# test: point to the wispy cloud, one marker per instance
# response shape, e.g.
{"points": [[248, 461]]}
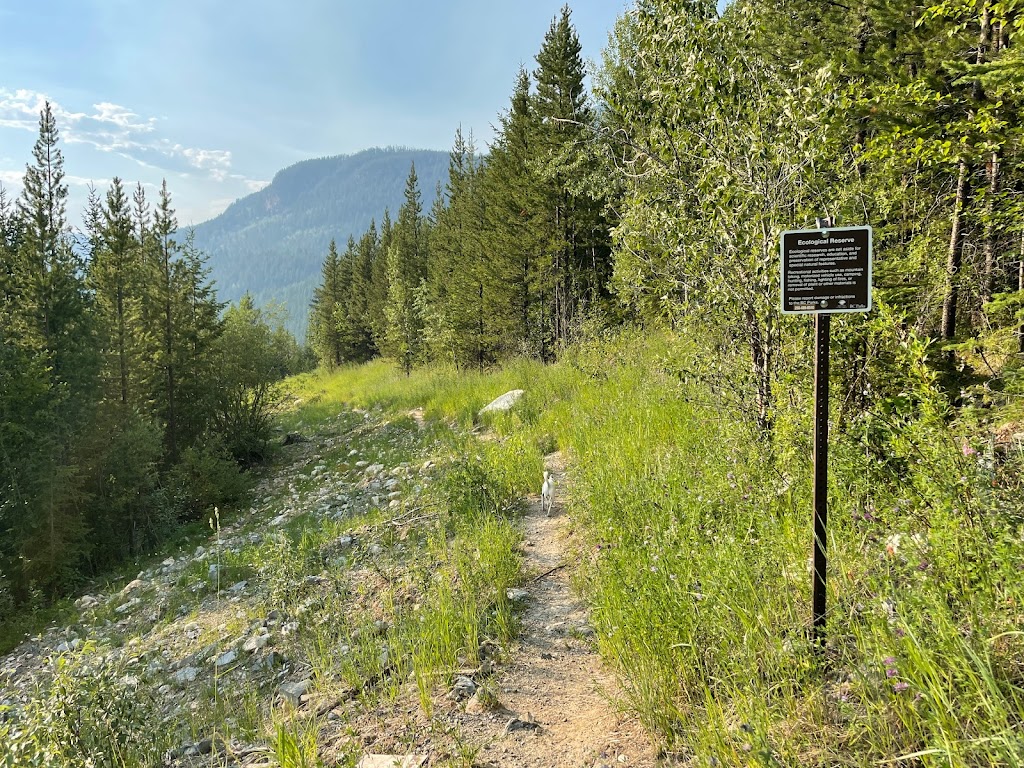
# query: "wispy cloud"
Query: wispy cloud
{"points": [[114, 128]]}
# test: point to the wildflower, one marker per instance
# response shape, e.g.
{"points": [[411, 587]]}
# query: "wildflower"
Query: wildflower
{"points": [[890, 672], [892, 544], [966, 449], [900, 687]]}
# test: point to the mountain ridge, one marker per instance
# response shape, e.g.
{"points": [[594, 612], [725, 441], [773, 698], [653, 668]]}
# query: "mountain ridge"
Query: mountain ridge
{"points": [[272, 242]]}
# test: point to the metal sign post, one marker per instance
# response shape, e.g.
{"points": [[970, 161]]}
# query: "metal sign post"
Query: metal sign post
{"points": [[822, 323], [824, 271]]}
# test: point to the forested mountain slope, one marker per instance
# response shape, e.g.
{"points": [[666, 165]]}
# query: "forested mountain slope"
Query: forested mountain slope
{"points": [[272, 242]]}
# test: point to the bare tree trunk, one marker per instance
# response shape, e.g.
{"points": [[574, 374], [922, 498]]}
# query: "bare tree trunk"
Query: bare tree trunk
{"points": [[1020, 287], [988, 287], [955, 257], [988, 284]]}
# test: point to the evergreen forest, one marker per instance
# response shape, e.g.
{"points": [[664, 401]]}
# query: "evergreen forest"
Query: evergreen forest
{"points": [[130, 399], [659, 197]]}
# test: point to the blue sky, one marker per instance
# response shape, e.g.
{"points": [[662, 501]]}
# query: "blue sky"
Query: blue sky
{"points": [[218, 95]]}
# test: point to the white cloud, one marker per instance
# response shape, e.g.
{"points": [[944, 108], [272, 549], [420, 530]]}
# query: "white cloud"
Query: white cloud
{"points": [[114, 128], [11, 178]]}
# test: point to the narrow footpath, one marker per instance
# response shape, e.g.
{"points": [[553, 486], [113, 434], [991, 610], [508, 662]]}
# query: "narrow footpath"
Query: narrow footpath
{"points": [[556, 694]]}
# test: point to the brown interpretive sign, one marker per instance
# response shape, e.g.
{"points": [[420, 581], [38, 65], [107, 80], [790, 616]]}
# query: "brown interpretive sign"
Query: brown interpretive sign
{"points": [[826, 270]]}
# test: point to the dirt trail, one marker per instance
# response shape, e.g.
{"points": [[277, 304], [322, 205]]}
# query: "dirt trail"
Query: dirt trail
{"points": [[555, 677]]}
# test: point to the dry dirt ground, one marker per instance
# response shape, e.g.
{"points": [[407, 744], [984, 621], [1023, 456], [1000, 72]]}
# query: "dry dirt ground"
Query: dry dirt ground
{"points": [[556, 678]]}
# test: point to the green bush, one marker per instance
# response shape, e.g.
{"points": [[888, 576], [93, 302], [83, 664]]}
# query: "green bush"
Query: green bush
{"points": [[205, 476], [89, 714]]}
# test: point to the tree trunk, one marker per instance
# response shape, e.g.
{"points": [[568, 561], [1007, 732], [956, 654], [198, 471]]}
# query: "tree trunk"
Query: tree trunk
{"points": [[1020, 287], [988, 280], [955, 256]]}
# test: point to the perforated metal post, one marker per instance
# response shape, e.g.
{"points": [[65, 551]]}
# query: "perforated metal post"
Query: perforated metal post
{"points": [[822, 327]]}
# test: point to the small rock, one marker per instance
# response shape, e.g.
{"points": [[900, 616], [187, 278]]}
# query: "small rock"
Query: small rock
{"points": [[135, 584], [391, 761], [269, 661], [127, 606], [168, 562], [517, 595], [476, 705], [257, 643], [238, 586], [464, 687], [515, 724], [186, 675], [293, 692], [226, 658], [375, 550], [503, 403]]}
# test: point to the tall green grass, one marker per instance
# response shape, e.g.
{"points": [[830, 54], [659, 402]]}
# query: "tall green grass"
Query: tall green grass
{"points": [[695, 538]]}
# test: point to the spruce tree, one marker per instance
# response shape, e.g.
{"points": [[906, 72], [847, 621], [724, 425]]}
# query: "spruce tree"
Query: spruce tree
{"points": [[49, 326], [578, 244], [326, 312]]}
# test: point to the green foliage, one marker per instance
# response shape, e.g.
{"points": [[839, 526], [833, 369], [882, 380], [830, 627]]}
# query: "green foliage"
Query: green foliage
{"points": [[86, 714], [205, 476], [251, 361]]}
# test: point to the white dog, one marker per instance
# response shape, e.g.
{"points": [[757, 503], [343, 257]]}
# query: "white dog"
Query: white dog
{"points": [[547, 494]]}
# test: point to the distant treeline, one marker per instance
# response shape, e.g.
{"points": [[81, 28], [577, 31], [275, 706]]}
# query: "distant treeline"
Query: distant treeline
{"points": [[660, 197], [128, 398]]}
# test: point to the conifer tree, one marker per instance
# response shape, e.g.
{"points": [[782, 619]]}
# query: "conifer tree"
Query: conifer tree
{"points": [[376, 296], [50, 329], [514, 224], [577, 236], [167, 292], [326, 312], [406, 268]]}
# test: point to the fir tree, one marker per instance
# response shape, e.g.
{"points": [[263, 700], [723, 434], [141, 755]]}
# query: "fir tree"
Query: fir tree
{"points": [[327, 310], [50, 330]]}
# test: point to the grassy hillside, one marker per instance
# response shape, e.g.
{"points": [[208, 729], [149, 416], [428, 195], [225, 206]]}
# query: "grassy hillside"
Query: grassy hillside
{"points": [[690, 536], [695, 538]]}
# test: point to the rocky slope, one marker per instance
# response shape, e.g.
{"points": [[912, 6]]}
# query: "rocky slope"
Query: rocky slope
{"points": [[274, 641]]}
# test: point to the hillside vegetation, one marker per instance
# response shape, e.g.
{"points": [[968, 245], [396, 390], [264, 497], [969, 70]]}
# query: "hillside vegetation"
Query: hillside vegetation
{"points": [[615, 255], [690, 539]]}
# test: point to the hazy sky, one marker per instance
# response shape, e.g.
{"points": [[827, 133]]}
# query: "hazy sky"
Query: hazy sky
{"points": [[218, 95]]}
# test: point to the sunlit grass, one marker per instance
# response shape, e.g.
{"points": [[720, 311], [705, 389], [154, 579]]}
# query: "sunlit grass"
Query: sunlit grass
{"points": [[692, 536]]}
